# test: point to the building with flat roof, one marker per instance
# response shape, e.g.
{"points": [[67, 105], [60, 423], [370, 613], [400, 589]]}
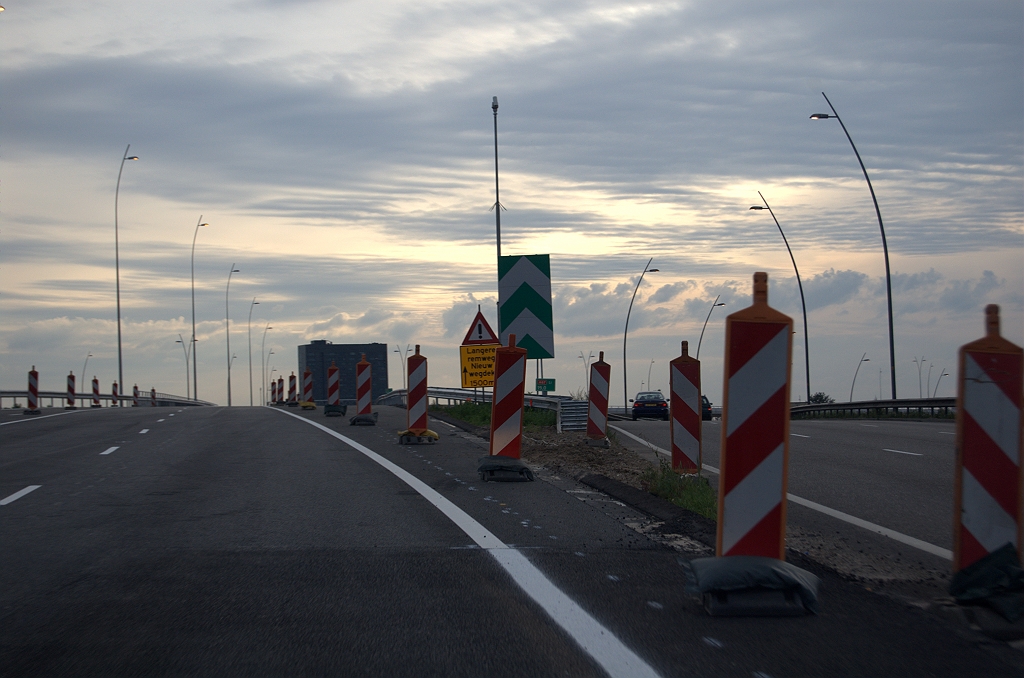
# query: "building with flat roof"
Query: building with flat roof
{"points": [[317, 356]]}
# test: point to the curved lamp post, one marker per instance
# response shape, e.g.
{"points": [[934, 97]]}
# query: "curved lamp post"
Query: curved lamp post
{"points": [[586, 369], [649, 388], [713, 305], [881, 228], [267, 384], [263, 364], [803, 304], [117, 266], [186, 352], [195, 376], [251, 306], [920, 364], [944, 374], [227, 327], [84, 366], [862, 360], [625, 384]]}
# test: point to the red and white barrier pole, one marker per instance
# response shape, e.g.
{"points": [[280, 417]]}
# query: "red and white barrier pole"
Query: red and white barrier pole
{"points": [[71, 391], [292, 395], [507, 402], [755, 429], [987, 489], [115, 400], [307, 386], [364, 386], [684, 384], [597, 415], [333, 385], [280, 389], [95, 392], [416, 399], [152, 397], [33, 391], [273, 392], [135, 395]]}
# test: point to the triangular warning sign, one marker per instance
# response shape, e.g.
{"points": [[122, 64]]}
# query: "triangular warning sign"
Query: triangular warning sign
{"points": [[480, 332]]}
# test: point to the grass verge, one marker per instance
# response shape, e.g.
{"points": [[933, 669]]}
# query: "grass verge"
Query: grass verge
{"points": [[688, 491], [479, 414]]}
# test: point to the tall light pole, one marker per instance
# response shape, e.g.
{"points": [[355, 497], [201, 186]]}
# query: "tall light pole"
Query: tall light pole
{"points": [[586, 368], [625, 384], [939, 381], [863, 359], [649, 375], [195, 374], [928, 388], [253, 304], [497, 198], [398, 350], [267, 384], [714, 305], [83, 368], [803, 304], [881, 228], [227, 326], [117, 267], [263, 365], [920, 364], [186, 352]]}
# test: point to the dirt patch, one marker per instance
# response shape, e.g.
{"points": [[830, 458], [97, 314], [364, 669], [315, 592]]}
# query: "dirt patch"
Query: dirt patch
{"points": [[569, 454]]}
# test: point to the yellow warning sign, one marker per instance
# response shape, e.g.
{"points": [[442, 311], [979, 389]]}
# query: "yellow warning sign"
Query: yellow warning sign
{"points": [[477, 365]]}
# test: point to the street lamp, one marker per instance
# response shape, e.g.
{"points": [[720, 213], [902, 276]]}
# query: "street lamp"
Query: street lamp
{"points": [[267, 384], [881, 228], [862, 360], [497, 198], [920, 364], [803, 304], [253, 304], [625, 384], [586, 368], [398, 350], [649, 373], [83, 368], [117, 266], [944, 374], [263, 365], [928, 388], [713, 305], [195, 375], [227, 327], [186, 352]]}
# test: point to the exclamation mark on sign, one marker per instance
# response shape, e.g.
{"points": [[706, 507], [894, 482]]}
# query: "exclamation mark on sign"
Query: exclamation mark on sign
{"points": [[479, 331]]}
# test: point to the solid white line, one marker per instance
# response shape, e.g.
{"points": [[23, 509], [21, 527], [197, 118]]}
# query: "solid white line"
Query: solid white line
{"points": [[596, 640], [869, 425], [145, 430], [19, 421], [19, 494], [798, 435], [845, 517], [109, 450], [915, 454]]}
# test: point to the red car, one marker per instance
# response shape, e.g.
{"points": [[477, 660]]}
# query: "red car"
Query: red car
{"points": [[650, 404]]}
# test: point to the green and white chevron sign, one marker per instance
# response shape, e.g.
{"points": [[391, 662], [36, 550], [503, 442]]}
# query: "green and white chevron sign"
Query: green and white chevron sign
{"points": [[524, 303]]}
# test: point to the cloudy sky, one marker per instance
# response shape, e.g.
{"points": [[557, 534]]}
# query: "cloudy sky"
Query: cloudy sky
{"points": [[342, 153]]}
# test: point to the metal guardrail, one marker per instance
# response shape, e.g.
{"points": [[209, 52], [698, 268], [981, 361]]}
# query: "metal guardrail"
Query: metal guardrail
{"points": [[920, 407], [454, 396], [84, 400]]}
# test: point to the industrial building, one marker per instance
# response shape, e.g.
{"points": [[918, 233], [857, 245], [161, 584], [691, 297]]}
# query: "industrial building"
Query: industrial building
{"points": [[317, 356]]}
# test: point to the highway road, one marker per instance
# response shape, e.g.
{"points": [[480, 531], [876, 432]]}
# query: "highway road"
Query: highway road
{"points": [[248, 541]]}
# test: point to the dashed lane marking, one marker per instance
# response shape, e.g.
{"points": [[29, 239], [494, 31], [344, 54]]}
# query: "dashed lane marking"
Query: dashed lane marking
{"points": [[839, 515], [597, 641], [913, 454], [109, 450], [18, 495], [145, 430]]}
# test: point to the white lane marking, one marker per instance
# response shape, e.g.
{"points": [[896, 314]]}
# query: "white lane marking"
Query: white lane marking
{"points": [[845, 517], [596, 640], [868, 425], [19, 494], [799, 435], [145, 430], [947, 433], [19, 421], [159, 420], [915, 454], [109, 450]]}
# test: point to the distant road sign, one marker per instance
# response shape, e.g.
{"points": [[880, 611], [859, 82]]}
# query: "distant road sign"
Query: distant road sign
{"points": [[477, 365], [479, 331], [545, 384]]}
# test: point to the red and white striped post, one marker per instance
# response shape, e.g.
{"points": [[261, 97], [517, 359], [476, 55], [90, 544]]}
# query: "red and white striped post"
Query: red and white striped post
{"points": [[71, 391], [280, 389], [685, 406], [291, 390], [507, 401], [416, 399], [755, 430], [364, 386], [135, 395], [273, 392], [152, 397], [333, 385], [95, 392], [307, 387], [597, 415], [987, 489], [115, 401], [33, 391]]}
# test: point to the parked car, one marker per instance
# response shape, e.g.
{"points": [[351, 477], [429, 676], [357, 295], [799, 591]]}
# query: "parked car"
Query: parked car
{"points": [[650, 404], [705, 408]]}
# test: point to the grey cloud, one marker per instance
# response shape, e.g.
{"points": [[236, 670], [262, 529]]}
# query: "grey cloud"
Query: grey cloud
{"points": [[970, 295]]}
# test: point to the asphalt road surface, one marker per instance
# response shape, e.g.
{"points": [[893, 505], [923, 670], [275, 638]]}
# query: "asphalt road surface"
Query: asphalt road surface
{"points": [[245, 541]]}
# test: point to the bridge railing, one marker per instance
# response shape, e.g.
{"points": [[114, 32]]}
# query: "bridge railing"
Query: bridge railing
{"points": [[908, 407], [84, 400], [453, 396]]}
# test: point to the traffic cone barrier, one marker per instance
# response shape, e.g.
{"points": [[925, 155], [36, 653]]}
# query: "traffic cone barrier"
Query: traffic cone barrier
{"points": [[135, 395], [685, 408], [333, 408], [33, 392], [273, 392], [507, 416], [292, 397], [152, 397], [71, 391], [307, 390], [115, 400], [364, 395], [987, 489], [597, 414], [95, 392], [280, 391], [417, 430], [755, 430]]}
